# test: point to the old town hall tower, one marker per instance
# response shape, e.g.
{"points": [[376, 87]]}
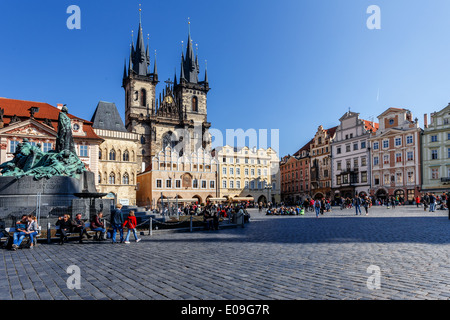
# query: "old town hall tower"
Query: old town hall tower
{"points": [[177, 117]]}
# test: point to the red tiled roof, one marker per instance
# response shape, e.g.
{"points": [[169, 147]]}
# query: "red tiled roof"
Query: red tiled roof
{"points": [[46, 111], [371, 125], [305, 147], [331, 131]]}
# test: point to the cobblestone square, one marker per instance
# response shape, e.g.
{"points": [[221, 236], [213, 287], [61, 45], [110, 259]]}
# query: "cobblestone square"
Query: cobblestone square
{"points": [[272, 258]]}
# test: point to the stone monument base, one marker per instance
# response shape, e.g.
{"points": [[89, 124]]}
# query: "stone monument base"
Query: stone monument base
{"points": [[51, 197]]}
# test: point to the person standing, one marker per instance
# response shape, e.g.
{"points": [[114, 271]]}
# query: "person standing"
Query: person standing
{"points": [[131, 224], [366, 204], [426, 201], [432, 202], [357, 204], [448, 205], [317, 207], [117, 223], [417, 201]]}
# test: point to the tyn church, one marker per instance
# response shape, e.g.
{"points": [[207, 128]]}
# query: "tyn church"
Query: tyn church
{"points": [[178, 117]]}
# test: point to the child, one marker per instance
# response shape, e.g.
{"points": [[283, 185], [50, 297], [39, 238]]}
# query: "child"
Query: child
{"points": [[131, 223]]}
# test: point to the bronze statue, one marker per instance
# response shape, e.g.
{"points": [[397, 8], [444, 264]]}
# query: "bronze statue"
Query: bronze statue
{"points": [[65, 138], [29, 160]]}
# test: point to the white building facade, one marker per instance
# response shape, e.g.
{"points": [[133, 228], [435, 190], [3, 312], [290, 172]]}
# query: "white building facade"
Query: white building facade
{"points": [[351, 156]]}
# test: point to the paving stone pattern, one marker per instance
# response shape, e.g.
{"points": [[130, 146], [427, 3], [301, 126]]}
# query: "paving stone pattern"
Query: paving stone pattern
{"points": [[272, 258]]}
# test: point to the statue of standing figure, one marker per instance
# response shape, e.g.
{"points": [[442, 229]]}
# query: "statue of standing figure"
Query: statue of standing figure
{"points": [[29, 160], [65, 137]]}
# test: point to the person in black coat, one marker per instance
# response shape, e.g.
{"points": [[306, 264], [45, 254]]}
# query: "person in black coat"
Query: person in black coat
{"points": [[65, 226], [80, 227], [117, 223], [448, 205]]}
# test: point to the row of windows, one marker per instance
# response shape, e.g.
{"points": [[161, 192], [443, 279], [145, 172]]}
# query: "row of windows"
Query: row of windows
{"points": [[247, 184], [397, 142], [113, 156], [246, 161], [356, 146], [246, 171], [288, 176], [115, 179], [435, 173], [348, 163], [177, 185], [435, 154], [295, 188], [45, 147], [351, 178], [398, 158], [394, 178], [434, 138], [82, 150]]}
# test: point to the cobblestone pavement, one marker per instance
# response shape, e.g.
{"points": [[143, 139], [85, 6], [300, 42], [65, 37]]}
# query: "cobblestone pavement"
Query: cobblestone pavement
{"points": [[273, 257]]}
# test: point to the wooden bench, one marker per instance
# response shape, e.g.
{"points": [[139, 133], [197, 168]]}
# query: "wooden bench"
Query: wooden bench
{"points": [[73, 234], [7, 241]]}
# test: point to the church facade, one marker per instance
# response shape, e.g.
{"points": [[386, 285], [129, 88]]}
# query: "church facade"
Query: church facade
{"points": [[172, 122], [177, 117]]}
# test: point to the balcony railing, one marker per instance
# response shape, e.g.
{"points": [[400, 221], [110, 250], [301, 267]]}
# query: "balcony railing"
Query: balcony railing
{"points": [[445, 179]]}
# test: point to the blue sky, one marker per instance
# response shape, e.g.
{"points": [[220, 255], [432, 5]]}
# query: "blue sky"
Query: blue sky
{"points": [[287, 65]]}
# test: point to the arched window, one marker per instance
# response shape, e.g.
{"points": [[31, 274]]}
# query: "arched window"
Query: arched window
{"points": [[194, 104], [99, 178], [112, 155], [100, 154], [143, 98], [112, 178], [126, 156], [126, 179]]}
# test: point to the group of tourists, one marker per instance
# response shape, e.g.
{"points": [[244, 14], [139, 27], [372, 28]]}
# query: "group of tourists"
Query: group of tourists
{"points": [[433, 202], [27, 226]]}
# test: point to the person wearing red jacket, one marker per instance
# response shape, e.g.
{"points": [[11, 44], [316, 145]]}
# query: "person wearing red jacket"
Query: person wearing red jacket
{"points": [[131, 224]]}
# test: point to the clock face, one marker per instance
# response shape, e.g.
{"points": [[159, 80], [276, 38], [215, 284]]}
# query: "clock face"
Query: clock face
{"points": [[76, 127], [168, 99]]}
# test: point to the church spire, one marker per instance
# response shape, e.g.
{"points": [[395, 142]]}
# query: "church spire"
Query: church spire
{"points": [[141, 59], [190, 64], [206, 72]]}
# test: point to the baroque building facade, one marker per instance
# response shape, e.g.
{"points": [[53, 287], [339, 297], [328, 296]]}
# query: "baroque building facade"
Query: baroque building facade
{"points": [[351, 156], [248, 173], [172, 179], [436, 152], [396, 156], [294, 175], [320, 152]]}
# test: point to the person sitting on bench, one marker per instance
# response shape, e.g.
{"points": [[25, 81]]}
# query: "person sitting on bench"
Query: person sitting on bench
{"points": [[80, 227], [32, 229], [20, 232], [98, 226], [65, 226]]}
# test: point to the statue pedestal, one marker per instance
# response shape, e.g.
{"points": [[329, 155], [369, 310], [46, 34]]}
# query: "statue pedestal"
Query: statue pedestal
{"points": [[55, 196]]}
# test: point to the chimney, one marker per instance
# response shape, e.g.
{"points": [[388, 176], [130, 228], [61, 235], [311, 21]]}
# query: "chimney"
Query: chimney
{"points": [[59, 106], [425, 120]]}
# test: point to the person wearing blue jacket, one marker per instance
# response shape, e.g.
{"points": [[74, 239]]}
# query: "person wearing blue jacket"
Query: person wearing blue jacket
{"points": [[117, 223]]}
